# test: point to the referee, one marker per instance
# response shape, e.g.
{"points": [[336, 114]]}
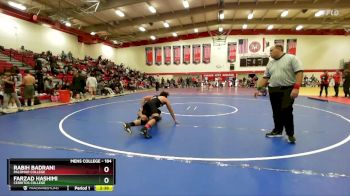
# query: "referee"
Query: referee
{"points": [[283, 75]]}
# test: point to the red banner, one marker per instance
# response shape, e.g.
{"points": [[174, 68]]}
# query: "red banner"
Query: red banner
{"points": [[167, 55], [186, 54], [177, 54], [158, 55], [231, 52], [292, 46], [149, 55], [196, 52], [206, 53]]}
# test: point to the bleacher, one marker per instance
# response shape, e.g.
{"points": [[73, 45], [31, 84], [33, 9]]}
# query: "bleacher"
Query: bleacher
{"points": [[4, 65], [109, 74], [25, 57]]}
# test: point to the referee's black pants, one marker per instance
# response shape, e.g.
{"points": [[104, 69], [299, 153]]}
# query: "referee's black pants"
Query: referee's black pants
{"points": [[282, 108]]}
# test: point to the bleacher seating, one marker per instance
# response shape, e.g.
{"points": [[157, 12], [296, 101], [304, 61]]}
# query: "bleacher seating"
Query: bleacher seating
{"points": [[4, 65]]}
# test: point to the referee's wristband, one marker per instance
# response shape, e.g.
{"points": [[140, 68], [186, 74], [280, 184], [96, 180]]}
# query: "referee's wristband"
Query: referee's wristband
{"points": [[296, 86]]}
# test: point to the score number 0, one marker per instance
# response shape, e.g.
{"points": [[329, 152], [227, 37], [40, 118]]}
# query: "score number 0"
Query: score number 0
{"points": [[106, 170]]}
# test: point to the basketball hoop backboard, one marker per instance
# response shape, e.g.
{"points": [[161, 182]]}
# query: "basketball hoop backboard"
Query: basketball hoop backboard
{"points": [[219, 39]]}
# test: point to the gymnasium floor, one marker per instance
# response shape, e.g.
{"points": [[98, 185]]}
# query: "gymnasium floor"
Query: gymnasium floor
{"points": [[219, 147]]}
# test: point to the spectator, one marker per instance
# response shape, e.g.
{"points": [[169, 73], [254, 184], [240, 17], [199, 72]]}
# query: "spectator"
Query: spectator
{"points": [[28, 82], [336, 78], [324, 82], [91, 84]]}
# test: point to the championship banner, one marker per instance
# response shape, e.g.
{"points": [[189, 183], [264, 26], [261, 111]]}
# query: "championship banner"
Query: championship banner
{"points": [[167, 55], [196, 51], [206, 53], [149, 55], [158, 55], [231, 52], [186, 54], [177, 54], [292, 46]]}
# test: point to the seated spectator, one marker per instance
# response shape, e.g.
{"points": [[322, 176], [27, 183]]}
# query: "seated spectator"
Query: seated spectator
{"points": [[22, 50], [132, 85], [49, 86], [63, 56]]}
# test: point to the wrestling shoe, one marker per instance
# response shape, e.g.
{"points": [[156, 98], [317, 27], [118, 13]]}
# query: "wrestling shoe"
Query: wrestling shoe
{"points": [[144, 132], [291, 139], [274, 134], [127, 128]]}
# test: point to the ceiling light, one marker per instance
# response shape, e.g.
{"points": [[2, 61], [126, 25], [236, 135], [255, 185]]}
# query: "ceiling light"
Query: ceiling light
{"points": [[250, 16], [152, 9], [284, 13], [319, 13], [120, 13], [153, 37], [221, 14], [185, 3], [93, 33], [68, 24], [142, 29], [299, 27], [244, 26], [17, 5], [270, 27], [221, 29], [196, 30], [175, 34], [166, 25]]}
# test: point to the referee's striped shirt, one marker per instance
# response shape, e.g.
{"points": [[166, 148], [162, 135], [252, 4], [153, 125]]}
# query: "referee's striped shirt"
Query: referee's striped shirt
{"points": [[281, 72]]}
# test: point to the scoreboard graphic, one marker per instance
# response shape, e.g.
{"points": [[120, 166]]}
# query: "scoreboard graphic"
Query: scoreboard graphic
{"points": [[75, 174]]}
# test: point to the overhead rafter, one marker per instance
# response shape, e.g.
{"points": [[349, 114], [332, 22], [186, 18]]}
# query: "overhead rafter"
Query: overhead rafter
{"points": [[115, 4], [236, 22], [75, 13], [74, 5], [66, 12], [228, 6]]}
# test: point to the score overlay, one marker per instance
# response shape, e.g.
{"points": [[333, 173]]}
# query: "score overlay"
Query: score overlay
{"points": [[74, 174]]}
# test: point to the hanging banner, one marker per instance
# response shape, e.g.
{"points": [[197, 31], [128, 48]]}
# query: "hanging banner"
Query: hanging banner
{"points": [[177, 54], [167, 55], [158, 55], [292, 46], [149, 55], [266, 44], [196, 52], [206, 53], [231, 52], [186, 54]]}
